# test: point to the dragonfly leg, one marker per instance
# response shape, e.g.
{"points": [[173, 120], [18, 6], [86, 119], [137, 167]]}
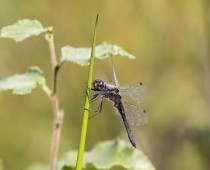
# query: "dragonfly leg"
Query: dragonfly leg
{"points": [[95, 96], [100, 105], [98, 110], [87, 90]]}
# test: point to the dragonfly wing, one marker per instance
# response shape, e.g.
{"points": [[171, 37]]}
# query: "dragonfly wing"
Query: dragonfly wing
{"points": [[116, 111], [136, 92], [135, 115], [114, 74]]}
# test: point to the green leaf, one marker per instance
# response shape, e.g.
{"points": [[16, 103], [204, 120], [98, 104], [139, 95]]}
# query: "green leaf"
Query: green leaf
{"points": [[81, 56], [22, 29], [23, 83], [113, 155]]}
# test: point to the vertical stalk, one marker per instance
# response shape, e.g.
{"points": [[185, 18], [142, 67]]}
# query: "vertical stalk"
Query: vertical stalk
{"points": [[58, 115], [87, 104]]}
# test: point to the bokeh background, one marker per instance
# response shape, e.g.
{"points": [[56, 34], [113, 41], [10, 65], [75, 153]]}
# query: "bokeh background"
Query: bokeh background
{"points": [[171, 41]]}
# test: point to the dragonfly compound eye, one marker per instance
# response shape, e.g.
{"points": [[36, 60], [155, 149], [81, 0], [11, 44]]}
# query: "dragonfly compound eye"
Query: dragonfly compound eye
{"points": [[98, 84]]}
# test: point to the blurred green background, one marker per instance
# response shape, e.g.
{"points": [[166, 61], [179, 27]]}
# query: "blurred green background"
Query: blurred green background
{"points": [[171, 41]]}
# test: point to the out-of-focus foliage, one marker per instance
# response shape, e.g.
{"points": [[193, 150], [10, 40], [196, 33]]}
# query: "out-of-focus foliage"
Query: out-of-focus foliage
{"points": [[170, 40], [81, 56], [22, 29], [38, 167], [23, 83], [114, 154]]}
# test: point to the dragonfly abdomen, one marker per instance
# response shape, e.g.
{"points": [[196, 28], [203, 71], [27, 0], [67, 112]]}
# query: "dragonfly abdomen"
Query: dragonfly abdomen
{"points": [[120, 108]]}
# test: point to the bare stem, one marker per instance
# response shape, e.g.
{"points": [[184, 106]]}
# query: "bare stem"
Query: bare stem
{"points": [[58, 120], [50, 38], [58, 115]]}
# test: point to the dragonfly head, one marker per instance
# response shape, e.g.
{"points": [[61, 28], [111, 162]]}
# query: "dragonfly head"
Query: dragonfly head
{"points": [[98, 85]]}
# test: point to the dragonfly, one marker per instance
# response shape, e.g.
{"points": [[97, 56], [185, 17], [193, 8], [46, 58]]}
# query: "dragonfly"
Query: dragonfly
{"points": [[125, 101]]}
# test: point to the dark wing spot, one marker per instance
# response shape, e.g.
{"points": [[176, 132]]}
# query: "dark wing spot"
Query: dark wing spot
{"points": [[141, 84], [144, 111]]}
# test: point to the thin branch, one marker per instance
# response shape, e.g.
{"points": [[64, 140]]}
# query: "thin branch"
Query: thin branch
{"points": [[58, 115], [47, 91], [50, 38]]}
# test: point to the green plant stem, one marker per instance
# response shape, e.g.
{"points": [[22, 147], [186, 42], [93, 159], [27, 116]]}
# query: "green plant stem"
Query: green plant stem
{"points": [[58, 115], [87, 104]]}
